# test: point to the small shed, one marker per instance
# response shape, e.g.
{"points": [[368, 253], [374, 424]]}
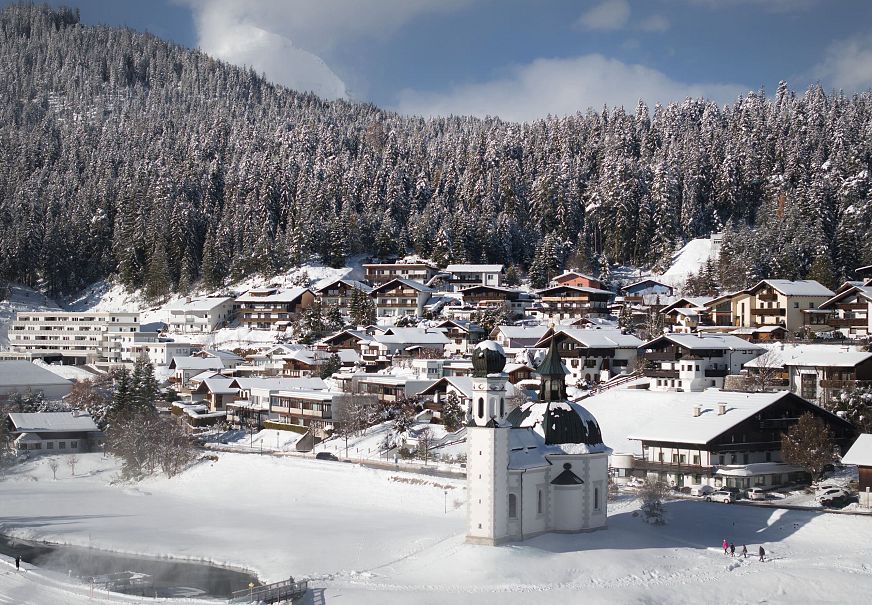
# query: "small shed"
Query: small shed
{"points": [[861, 455]]}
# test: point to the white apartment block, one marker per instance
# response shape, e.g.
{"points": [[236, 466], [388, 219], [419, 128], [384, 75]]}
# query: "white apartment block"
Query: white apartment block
{"points": [[81, 337], [200, 315]]}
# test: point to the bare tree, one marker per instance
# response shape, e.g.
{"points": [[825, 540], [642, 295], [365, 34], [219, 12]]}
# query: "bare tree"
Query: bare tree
{"points": [[809, 443], [766, 371], [53, 465], [72, 461], [425, 443]]}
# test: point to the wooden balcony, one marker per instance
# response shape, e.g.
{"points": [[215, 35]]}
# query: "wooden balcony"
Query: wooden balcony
{"points": [[848, 322], [775, 312], [665, 355], [670, 467], [661, 373], [716, 373], [860, 306]]}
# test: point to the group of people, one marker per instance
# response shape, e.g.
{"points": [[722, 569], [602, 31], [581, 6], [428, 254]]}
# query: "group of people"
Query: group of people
{"points": [[729, 547]]}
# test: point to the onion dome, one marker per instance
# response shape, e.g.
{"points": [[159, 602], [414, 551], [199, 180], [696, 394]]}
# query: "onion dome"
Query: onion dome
{"points": [[488, 357], [560, 423]]}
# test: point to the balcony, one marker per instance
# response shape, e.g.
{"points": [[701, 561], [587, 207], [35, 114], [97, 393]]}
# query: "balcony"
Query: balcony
{"points": [[848, 322], [775, 312], [669, 467], [829, 383], [860, 306], [767, 296], [661, 373], [665, 355], [716, 373]]}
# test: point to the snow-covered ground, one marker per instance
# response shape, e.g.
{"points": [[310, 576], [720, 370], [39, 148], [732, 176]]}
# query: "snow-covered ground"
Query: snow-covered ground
{"points": [[371, 537], [690, 259]]}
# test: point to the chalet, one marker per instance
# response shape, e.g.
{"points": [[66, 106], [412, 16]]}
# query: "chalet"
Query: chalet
{"points": [[252, 405], [478, 298], [574, 278], [778, 302], [161, 351], [763, 333], [381, 273], [646, 286], [695, 362], [592, 355], [462, 336], [685, 314], [228, 358], [818, 372], [461, 388], [518, 337], [386, 387], [21, 377], [215, 393], [400, 297], [185, 368], [318, 410], [719, 311], [570, 302], [272, 308], [347, 339], [339, 293], [402, 342], [461, 276], [200, 315], [54, 432], [860, 455], [718, 438], [849, 312]]}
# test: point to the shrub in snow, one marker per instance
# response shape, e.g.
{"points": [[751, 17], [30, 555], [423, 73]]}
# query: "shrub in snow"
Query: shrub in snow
{"points": [[652, 495]]}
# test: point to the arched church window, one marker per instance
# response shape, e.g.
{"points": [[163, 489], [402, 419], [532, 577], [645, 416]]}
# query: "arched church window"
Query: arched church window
{"points": [[481, 407], [502, 407], [513, 506], [539, 502]]}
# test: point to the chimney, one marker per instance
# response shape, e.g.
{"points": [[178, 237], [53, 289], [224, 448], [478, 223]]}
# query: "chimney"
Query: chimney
{"points": [[722, 409], [696, 411]]}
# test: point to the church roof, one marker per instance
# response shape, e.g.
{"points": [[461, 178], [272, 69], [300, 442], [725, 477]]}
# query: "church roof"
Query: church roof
{"points": [[567, 477], [552, 365], [561, 423]]}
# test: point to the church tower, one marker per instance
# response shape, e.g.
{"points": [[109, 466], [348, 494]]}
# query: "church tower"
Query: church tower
{"points": [[487, 442]]}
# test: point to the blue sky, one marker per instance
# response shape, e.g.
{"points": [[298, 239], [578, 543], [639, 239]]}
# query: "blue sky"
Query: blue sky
{"points": [[520, 59]]}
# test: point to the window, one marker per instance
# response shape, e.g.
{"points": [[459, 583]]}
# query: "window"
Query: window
{"points": [[74, 445], [682, 459], [37, 446], [674, 458], [696, 460], [481, 407], [660, 457], [502, 407], [49, 445], [513, 506], [721, 459], [768, 456], [796, 305], [733, 458], [745, 458], [596, 498], [62, 445]]}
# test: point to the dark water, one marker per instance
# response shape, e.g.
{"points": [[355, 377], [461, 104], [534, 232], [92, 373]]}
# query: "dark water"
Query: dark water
{"points": [[165, 577]]}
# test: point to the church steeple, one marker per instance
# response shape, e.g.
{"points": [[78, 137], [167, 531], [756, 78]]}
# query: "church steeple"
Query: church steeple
{"points": [[553, 384]]}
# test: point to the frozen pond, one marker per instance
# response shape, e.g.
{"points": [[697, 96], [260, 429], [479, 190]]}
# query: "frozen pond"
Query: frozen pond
{"points": [[151, 577]]}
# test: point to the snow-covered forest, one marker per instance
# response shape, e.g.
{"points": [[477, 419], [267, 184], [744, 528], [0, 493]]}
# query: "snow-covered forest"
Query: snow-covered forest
{"points": [[124, 154]]}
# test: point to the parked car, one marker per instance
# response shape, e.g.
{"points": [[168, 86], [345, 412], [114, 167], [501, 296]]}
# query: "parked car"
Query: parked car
{"points": [[833, 497], [326, 456], [635, 482], [757, 493], [737, 493], [720, 496], [701, 490]]}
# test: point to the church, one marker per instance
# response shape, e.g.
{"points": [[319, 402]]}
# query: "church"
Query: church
{"points": [[541, 467]]}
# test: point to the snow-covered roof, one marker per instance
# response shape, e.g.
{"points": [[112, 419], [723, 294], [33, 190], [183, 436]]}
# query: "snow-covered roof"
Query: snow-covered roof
{"points": [[758, 330], [861, 290], [474, 268], [756, 469], [814, 355], [220, 354], [203, 376], [579, 289], [463, 384], [709, 341], [52, 422], [196, 363], [219, 386], [861, 452], [409, 283], [571, 274], [669, 417], [800, 287], [351, 283], [530, 332], [410, 336], [280, 384], [272, 295], [641, 282], [598, 339], [199, 304], [25, 373]]}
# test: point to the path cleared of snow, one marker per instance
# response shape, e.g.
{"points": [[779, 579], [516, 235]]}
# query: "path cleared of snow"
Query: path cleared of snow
{"points": [[366, 538]]}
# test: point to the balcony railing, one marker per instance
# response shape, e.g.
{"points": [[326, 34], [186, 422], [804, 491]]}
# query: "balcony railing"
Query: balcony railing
{"points": [[670, 467], [661, 373], [712, 373], [667, 355], [848, 322], [776, 312]]}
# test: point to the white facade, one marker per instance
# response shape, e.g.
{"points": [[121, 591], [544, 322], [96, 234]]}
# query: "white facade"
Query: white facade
{"points": [[199, 315], [86, 337]]}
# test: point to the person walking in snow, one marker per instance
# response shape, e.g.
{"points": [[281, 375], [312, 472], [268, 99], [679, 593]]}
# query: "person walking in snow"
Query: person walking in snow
{"points": [[726, 545], [17, 562], [732, 549], [744, 551], [762, 554]]}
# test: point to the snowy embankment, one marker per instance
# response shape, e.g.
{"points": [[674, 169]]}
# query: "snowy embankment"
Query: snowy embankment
{"points": [[689, 260], [379, 537]]}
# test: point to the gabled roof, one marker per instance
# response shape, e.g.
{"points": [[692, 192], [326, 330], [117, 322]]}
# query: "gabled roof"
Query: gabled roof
{"points": [[52, 422], [811, 355], [196, 363], [647, 280], [273, 295], [462, 384], [862, 291], [581, 289], [351, 283], [571, 274], [800, 287], [280, 384], [342, 335], [27, 374], [610, 339], [217, 386], [861, 452], [522, 332], [463, 268], [466, 326], [706, 341], [410, 336], [399, 281], [688, 302], [219, 354], [206, 303]]}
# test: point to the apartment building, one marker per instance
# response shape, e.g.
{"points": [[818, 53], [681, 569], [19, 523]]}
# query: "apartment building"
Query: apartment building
{"points": [[339, 293], [272, 308], [400, 297], [462, 276], [74, 337], [570, 302], [200, 315], [849, 312], [381, 273], [778, 302]]}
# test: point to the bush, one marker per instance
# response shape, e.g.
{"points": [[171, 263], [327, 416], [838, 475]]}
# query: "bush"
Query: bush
{"points": [[652, 495]]}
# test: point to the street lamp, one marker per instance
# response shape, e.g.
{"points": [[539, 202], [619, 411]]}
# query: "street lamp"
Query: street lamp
{"points": [[446, 501]]}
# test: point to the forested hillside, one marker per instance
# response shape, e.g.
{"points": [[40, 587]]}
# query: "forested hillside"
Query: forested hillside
{"points": [[123, 154]]}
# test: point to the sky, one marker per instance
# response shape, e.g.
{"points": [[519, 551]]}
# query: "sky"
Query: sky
{"points": [[519, 59]]}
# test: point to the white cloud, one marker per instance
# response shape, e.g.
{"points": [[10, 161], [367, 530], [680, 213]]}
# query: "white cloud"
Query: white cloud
{"points": [[654, 23], [610, 15], [288, 39], [847, 64], [772, 6], [561, 87]]}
